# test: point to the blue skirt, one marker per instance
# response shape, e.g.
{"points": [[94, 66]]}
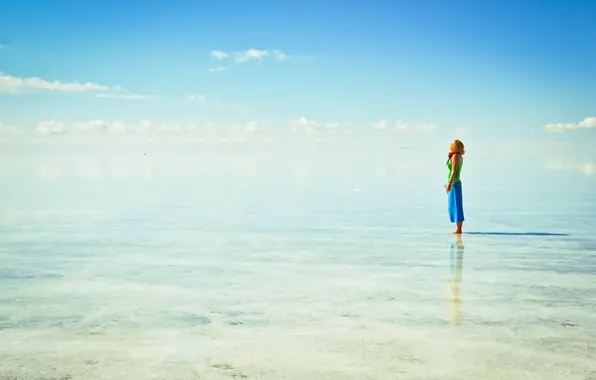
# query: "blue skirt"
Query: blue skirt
{"points": [[455, 203]]}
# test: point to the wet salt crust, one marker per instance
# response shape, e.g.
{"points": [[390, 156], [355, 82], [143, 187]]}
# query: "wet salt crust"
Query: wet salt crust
{"points": [[357, 286]]}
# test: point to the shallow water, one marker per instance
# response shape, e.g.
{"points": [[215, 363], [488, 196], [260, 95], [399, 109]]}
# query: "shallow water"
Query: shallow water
{"points": [[336, 277]]}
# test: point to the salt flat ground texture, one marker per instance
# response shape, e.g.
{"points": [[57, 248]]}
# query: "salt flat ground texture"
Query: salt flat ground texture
{"points": [[333, 277]]}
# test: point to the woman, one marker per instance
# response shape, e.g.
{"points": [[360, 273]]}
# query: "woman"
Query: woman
{"points": [[453, 187]]}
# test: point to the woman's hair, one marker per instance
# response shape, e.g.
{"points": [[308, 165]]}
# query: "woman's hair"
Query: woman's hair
{"points": [[458, 147]]}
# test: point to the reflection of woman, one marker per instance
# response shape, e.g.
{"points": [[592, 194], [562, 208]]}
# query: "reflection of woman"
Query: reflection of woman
{"points": [[457, 258], [455, 162]]}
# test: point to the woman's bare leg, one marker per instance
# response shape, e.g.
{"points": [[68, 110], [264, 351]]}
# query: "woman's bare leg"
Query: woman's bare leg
{"points": [[458, 230]]}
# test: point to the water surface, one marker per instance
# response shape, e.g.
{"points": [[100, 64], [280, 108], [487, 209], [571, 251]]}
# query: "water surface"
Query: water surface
{"points": [[294, 275]]}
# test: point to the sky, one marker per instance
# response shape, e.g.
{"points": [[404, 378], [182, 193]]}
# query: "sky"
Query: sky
{"points": [[398, 73]]}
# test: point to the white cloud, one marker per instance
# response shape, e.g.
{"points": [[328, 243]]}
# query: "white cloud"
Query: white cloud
{"points": [[380, 125], [118, 126], [196, 98], [588, 169], [97, 126], [12, 84], [50, 127], [560, 127], [279, 55], [251, 127], [248, 55], [217, 69], [333, 126], [217, 54], [402, 126], [145, 127], [125, 96], [254, 54], [169, 128], [248, 128], [306, 125], [90, 126], [588, 122]]}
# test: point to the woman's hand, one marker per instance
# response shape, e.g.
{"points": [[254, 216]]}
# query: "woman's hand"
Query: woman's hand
{"points": [[448, 187]]}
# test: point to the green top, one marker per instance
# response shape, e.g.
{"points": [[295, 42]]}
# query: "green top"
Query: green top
{"points": [[456, 176]]}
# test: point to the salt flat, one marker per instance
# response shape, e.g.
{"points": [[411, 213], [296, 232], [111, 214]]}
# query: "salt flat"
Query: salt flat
{"points": [[349, 276]]}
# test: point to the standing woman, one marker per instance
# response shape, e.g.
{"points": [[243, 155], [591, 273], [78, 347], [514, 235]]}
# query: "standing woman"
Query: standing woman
{"points": [[454, 192]]}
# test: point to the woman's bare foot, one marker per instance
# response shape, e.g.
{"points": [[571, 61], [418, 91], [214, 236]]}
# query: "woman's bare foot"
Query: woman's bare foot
{"points": [[458, 230]]}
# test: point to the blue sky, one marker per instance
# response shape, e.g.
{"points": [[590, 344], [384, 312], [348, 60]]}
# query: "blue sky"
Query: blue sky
{"points": [[502, 69]]}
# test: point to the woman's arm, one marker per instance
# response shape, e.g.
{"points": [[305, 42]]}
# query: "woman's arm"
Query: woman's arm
{"points": [[454, 165]]}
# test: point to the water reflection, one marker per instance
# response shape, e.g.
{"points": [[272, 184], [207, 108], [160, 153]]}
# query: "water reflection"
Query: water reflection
{"points": [[139, 164], [456, 256], [588, 168]]}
